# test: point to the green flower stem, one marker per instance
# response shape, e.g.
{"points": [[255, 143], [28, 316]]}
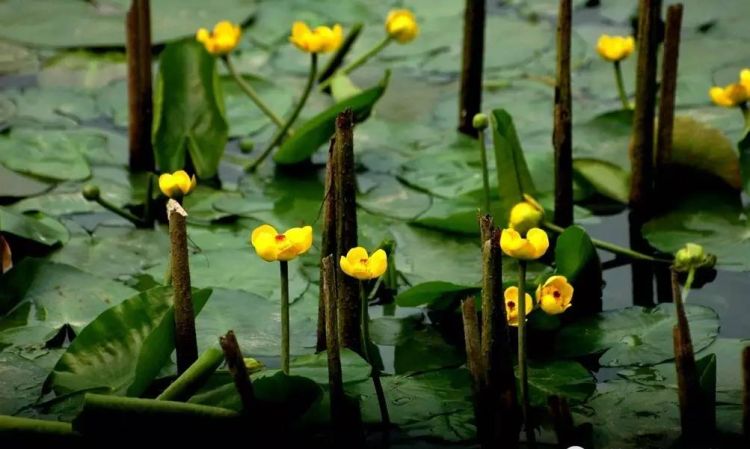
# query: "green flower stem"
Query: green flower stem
{"points": [[284, 270], [485, 172], [358, 62], [137, 221], [746, 115], [611, 247], [284, 130], [14, 426], [194, 377], [688, 283], [523, 375], [250, 92], [365, 334], [621, 86]]}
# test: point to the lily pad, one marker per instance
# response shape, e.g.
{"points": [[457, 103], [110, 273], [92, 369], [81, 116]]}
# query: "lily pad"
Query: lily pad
{"points": [[315, 366], [48, 154], [42, 299], [635, 335], [35, 227], [73, 23]]}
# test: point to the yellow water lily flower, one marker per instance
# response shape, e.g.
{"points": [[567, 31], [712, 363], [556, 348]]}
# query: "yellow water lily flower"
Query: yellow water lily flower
{"points": [[526, 215], [358, 264], [511, 305], [532, 247], [401, 25], [615, 48], [320, 40], [731, 95], [222, 40], [555, 295], [745, 78], [177, 185], [272, 246]]}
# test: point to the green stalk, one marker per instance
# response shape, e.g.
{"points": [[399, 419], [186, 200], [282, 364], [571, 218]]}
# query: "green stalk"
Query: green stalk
{"points": [[688, 283], [193, 377], [485, 172], [284, 270], [365, 336], [621, 86], [611, 247], [359, 61], [522, 371], [250, 92], [137, 221], [14, 428], [283, 131]]}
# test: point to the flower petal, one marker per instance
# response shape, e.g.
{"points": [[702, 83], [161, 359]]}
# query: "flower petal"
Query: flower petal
{"points": [[262, 230], [377, 264], [300, 238], [356, 254]]}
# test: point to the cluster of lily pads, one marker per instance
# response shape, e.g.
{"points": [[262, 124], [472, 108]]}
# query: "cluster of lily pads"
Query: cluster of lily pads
{"points": [[82, 275]]}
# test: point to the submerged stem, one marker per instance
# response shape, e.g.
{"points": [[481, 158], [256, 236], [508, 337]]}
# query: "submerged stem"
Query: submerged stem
{"points": [[621, 86], [284, 271], [284, 130], [250, 92]]}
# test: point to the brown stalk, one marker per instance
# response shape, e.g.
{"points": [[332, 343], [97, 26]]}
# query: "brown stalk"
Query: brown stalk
{"points": [[140, 101], [470, 98], [562, 136], [238, 370]]}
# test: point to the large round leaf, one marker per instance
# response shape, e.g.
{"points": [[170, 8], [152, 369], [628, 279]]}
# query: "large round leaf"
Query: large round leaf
{"points": [[635, 335]]}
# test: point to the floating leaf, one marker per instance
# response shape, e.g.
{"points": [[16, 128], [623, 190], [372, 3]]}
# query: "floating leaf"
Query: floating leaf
{"points": [[635, 335], [607, 179], [49, 154], [428, 292], [560, 378], [576, 258], [315, 366], [37, 228]]}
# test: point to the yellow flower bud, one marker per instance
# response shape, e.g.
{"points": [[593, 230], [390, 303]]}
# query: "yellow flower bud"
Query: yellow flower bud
{"points": [[177, 185], [511, 305], [615, 48], [532, 247], [480, 121], [320, 40], [692, 256], [526, 215], [555, 295], [745, 78], [401, 25], [272, 246], [358, 264], [731, 95], [222, 40]]}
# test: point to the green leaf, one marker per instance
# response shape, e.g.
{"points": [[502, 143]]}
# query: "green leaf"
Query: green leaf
{"points": [[316, 131], [428, 292], [53, 106], [635, 335], [390, 198], [189, 110], [20, 385], [42, 299], [16, 185], [315, 366], [49, 154], [74, 23], [35, 227], [513, 177], [243, 116], [342, 88], [715, 221], [139, 336], [434, 404], [452, 215], [562, 378], [608, 179], [576, 259]]}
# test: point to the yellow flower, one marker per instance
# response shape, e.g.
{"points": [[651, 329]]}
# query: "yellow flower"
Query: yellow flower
{"points": [[745, 78], [222, 40], [731, 95], [272, 246], [532, 247], [615, 48], [526, 214], [401, 25], [358, 264], [320, 40], [555, 295], [511, 305], [177, 184]]}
